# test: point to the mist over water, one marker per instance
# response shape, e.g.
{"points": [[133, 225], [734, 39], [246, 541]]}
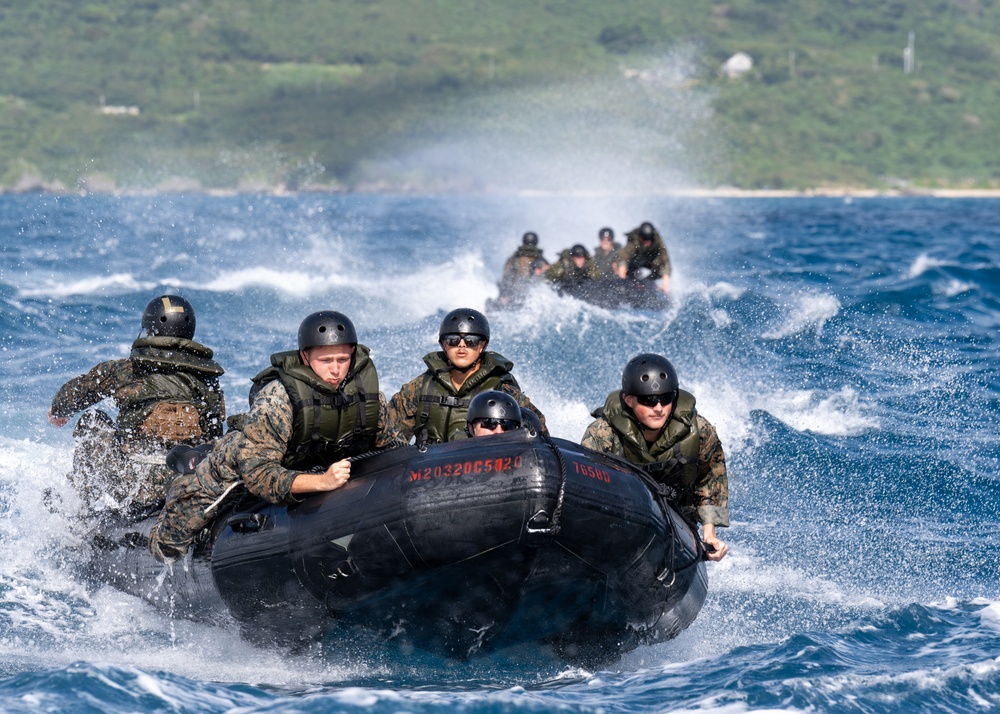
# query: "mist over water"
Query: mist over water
{"points": [[644, 131]]}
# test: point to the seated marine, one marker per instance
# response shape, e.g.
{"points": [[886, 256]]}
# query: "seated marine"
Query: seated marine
{"points": [[653, 423], [644, 252], [523, 267], [492, 412], [167, 392], [433, 407], [606, 253], [518, 265], [311, 411], [574, 267]]}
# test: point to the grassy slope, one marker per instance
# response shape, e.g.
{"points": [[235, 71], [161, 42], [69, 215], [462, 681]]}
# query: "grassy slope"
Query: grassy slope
{"points": [[245, 91]]}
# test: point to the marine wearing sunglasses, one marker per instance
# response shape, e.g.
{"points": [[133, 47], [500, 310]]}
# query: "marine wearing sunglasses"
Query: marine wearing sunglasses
{"points": [[493, 425], [492, 412], [471, 341], [650, 390]]}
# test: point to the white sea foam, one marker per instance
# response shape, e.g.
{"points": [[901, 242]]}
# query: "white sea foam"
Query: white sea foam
{"points": [[427, 289], [839, 413], [922, 263], [117, 284], [720, 318], [725, 291], [990, 615], [953, 288], [297, 284], [744, 572], [56, 621], [809, 314]]}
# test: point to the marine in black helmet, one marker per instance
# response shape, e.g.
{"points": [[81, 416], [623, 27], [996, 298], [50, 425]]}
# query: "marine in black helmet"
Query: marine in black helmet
{"points": [[166, 392], [522, 268], [645, 256], [313, 409], [573, 268], [492, 412], [432, 408], [606, 253], [653, 423]]}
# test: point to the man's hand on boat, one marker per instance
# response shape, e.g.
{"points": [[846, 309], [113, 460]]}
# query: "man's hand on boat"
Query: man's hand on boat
{"points": [[330, 480], [715, 549]]}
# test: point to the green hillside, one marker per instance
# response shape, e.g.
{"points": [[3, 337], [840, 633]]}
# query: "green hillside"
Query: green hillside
{"points": [[468, 94]]}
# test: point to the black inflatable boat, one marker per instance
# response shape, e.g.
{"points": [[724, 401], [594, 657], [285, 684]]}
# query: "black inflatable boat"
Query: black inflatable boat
{"points": [[615, 293], [462, 549], [609, 293]]}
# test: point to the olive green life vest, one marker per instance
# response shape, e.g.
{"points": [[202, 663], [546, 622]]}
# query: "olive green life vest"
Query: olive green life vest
{"points": [[639, 256], [171, 369], [673, 458], [443, 409], [604, 261], [327, 424], [519, 264]]}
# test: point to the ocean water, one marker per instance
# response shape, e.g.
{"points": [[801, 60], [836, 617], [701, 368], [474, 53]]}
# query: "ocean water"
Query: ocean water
{"points": [[846, 350]]}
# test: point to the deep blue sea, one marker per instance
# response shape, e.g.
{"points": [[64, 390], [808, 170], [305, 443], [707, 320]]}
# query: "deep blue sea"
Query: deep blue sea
{"points": [[847, 350]]}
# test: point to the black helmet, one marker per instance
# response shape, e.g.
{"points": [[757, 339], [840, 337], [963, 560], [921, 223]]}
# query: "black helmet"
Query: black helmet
{"points": [[646, 231], [606, 233], [649, 374], [530, 422], [169, 316], [529, 238], [578, 251], [465, 321], [327, 327], [493, 404]]}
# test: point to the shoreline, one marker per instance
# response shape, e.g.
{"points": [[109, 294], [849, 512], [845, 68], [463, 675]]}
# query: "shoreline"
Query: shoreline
{"points": [[680, 192], [842, 192]]}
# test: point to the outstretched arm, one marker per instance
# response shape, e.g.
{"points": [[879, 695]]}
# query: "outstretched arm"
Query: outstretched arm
{"points": [[88, 389]]}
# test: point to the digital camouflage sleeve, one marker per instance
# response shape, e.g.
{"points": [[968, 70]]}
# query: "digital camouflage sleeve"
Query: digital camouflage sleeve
{"points": [[266, 434], [103, 381], [251, 457], [711, 492]]}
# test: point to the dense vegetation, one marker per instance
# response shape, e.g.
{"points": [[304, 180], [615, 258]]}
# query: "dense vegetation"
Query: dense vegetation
{"points": [[331, 92]]}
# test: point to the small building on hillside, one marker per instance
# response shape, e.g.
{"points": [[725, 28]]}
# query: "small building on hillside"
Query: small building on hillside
{"points": [[737, 65]]}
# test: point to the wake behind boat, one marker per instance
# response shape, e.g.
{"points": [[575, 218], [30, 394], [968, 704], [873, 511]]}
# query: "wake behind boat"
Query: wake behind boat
{"points": [[461, 549]]}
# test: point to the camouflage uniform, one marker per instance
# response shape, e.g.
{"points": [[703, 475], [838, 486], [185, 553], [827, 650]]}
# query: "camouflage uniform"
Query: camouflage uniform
{"points": [[113, 465], [710, 495], [565, 272], [605, 261], [249, 460], [406, 407], [635, 255], [519, 273], [518, 266]]}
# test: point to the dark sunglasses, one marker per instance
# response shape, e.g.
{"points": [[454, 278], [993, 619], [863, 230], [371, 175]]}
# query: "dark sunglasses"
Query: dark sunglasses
{"points": [[651, 400], [491, 424], [471, 341]]}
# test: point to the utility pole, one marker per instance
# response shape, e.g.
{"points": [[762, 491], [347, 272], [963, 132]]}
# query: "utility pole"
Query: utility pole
{"points": [[791, 63], [908, 55]]}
